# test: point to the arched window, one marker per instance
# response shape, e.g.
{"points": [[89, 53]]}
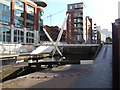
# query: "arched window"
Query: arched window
{"points": [[29, 37], [5, 34], [18, 36]]}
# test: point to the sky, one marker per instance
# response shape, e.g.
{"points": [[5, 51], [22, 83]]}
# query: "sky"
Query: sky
{"points": [[103, 12]]}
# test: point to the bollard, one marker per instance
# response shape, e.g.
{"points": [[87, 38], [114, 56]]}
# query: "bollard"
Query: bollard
{"points": [[38, 67], [50, 66]]}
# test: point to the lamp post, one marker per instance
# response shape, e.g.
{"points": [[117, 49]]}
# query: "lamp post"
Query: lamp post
{"points": [[41, 3]]}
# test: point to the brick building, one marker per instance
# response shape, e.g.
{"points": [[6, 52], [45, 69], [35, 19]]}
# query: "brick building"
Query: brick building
{"points": [[88, 28], [74, 32]]}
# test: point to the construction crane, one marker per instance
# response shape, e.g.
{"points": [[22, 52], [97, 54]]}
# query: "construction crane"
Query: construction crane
{"points": [[50, 16]]}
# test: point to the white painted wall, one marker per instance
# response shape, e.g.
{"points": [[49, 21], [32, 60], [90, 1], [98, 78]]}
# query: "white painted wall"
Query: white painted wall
{"points": [[9, 48], [15, 48], [43, 49]]}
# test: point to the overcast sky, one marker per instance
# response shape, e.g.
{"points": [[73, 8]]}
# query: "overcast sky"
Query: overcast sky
{"points": [[103, 12]]}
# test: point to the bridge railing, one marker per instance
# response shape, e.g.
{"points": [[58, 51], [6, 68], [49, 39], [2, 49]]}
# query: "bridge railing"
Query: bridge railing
{"points": [[50, 43]]}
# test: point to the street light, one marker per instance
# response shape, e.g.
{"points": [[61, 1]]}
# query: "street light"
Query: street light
{"points": [[41, 3]]}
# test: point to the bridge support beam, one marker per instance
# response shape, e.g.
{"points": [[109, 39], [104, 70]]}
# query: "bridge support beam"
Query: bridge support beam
{"points": [[59, 37], [52, 41], [60, 34]]}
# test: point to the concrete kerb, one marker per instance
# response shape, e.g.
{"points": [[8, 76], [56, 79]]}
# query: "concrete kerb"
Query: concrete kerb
{"points": [[97, 51]]}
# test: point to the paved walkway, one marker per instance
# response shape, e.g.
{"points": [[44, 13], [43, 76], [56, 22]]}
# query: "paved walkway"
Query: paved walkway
{"points": [[97, 75], [100, 76]]}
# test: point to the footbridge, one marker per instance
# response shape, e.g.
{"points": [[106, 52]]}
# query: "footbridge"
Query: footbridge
{"points": [[52, 46], [84, 52]]}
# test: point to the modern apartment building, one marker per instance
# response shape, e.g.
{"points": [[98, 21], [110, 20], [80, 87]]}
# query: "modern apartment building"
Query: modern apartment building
{"points": [[74, 32], [94, 33], [20, 21], [88, 27]]}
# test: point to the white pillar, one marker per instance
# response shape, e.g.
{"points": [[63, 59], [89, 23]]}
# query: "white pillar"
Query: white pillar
{"points": [[25, 35], [17, 36], [35, 37], [2, 36], [12, 33], [5, 36]]}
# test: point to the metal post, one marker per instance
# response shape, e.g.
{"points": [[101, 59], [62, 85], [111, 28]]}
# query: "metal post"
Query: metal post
{"points": [[25, 35], [52, 41], [12, 33], [60, 34]]}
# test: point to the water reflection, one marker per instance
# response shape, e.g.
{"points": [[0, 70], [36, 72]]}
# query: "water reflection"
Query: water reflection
{"points": [[79, 57], [71, 57]]}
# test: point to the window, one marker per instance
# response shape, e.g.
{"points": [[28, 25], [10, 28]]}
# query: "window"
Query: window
{"points": [[5, 12], [76, 6], [75, 20], [1, 5], [4, 38], [0, 36], [30, 9], [78, 25], [18, 23], [15, 31], [30, 37], [5, 34], [18, 36], [30, 17], [70, 7], [5, 8], [80, 5], [19, 13], [22, 39], [78, 37], [77, 14], [22, 33], [40, 14], [78, 20], [8, 38], [30, 26], [40, 21], [75, 30], [75, 25], [20, 4], [5, 19]]}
